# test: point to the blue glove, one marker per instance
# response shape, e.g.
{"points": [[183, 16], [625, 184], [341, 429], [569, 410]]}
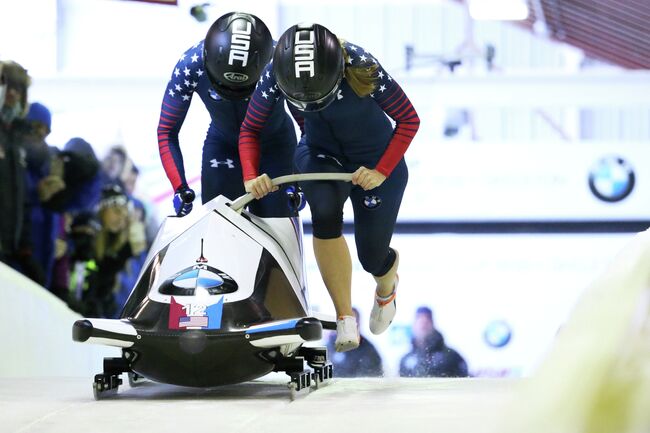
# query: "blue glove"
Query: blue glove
{"points": [[183, 200], [296, 197]]}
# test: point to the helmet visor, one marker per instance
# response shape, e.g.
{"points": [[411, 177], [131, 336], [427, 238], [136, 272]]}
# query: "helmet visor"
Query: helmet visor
{"points": [[315, 105]]}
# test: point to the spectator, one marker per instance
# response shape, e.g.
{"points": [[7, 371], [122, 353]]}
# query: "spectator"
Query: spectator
{"points": [[120, 238], [113, 165], [81, 194], [44, 181], [430, 357], [130, 177], [15, 238], [60, 277], [59, 181], [83, 268], [363, 361], [143, 209], [82, 175], [129, 275]]}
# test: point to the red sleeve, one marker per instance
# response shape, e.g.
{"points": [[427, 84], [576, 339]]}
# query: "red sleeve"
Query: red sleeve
{"points": [[392, 99], [266, 95]]}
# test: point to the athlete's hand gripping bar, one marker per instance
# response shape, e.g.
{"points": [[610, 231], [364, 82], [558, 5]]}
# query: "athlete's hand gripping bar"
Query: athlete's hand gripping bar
{"points": [[242, 201]]}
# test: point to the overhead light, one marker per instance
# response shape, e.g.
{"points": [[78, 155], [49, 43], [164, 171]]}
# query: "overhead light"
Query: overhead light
{"points": [[506, 10]]}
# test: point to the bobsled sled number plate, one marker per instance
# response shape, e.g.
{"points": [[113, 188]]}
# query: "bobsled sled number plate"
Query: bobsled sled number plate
{"points": [[195, 316]]}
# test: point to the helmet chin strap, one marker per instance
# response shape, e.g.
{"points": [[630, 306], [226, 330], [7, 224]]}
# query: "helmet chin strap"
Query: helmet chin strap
{"points": [[230, 93]]}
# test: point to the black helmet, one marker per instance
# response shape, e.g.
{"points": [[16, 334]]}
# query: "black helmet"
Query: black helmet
{"points": [[308, 65], [236, 49]]}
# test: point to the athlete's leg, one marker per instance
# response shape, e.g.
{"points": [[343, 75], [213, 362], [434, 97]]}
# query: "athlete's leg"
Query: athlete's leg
{"points": [[335, 265], [375, 213], [326, 199]]}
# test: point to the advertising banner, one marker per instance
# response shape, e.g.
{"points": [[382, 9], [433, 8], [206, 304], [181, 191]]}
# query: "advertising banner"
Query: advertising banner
{"points": [[527, 181]]}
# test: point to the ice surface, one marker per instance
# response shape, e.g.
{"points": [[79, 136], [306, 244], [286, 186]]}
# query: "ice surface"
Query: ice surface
{"points": [[344, 405]]}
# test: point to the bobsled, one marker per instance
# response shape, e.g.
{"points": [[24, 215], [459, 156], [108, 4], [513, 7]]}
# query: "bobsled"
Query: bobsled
{"points": [[221, 299]]}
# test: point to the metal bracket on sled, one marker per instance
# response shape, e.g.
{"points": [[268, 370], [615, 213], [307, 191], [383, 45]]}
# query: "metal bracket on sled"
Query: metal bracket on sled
{"points": [[316, 358], [319, 371], [106, 384]]}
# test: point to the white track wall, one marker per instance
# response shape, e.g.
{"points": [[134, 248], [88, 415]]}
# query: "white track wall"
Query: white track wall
{"points": [[37, 333]]}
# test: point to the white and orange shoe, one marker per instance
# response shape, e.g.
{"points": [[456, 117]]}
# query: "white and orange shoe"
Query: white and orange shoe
{"points": [[383, 310], [347, 334]]}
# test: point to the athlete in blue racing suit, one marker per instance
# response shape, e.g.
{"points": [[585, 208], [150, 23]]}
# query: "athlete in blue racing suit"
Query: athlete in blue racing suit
{"points": [[224, 70], [344, 95]]}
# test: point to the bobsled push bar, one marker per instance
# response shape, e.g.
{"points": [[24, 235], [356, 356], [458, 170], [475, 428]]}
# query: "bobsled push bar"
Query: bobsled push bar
{"points": [[242, 201]]}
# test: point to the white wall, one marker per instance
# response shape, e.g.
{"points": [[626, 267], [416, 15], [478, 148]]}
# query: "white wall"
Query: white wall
{"points": [[37, 334]]}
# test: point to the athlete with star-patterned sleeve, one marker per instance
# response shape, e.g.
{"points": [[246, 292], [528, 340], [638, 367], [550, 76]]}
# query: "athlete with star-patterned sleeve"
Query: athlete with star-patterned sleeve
{"points": [[344, 95], [223, 70]]}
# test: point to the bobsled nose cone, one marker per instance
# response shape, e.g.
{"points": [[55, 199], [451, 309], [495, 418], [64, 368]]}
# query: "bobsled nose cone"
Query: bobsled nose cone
{"points": [[110, 332], [82, 330]]}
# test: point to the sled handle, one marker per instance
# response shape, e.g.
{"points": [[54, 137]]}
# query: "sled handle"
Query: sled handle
{"points": [[242, 201]]}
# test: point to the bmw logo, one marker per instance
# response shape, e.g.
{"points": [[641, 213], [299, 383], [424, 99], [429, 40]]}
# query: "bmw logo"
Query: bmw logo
{"points": [[497, 334], [200, 276], [371, 202], [214, 95], [611, 179]]}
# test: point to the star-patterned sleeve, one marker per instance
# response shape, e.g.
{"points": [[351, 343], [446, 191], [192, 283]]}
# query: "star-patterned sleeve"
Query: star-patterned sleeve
{"points": [[392, 99], [261, 105], [176, 102]]}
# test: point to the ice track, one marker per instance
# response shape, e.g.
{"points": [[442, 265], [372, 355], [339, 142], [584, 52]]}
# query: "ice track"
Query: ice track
{"points": [[345, 405]]}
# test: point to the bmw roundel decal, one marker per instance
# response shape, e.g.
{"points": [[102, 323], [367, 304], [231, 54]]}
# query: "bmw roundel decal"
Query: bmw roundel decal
{"points": [[214, 95], [611, 179], [371, 202], [198, 278], [497, 334]]}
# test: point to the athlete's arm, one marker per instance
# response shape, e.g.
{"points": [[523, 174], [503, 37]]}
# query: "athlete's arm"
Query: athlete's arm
{"points": [[261, 105], [391, 98], [176, 102]]}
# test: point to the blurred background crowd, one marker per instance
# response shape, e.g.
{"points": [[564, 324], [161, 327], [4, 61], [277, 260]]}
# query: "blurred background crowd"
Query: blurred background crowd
{"points": [[70, 220]]}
